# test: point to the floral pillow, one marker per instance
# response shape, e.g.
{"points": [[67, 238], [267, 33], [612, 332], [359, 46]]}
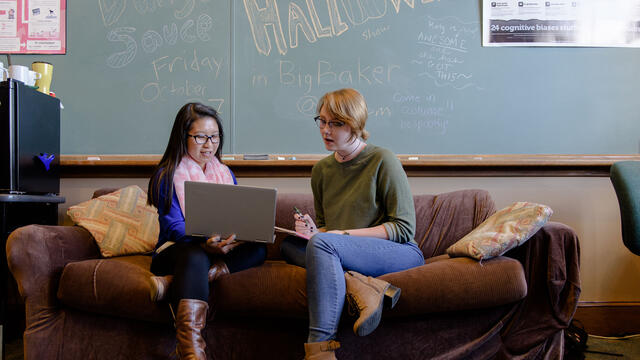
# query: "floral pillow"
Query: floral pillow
{"points": [[502, 231], [121, 222]]}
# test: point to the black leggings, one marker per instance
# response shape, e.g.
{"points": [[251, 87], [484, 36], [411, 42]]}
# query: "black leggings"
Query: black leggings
{"points": [[189, 264]]}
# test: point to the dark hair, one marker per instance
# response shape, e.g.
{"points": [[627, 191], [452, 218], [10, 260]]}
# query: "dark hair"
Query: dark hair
{"points": [[176, 150]]}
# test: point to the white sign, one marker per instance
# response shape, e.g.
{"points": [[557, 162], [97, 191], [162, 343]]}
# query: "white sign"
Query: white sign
{"points": [[614, 23]]}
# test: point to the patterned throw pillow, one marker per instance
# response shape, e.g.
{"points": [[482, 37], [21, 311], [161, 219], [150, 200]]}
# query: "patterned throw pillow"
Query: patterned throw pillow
{"points": [[502, 231], [121, 222]]}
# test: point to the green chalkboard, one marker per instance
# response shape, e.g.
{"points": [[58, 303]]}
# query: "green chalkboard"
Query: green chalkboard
{"points": [[430, 85]]}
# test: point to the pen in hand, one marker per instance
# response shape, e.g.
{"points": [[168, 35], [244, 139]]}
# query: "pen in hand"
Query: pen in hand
{"points": [[303, 218]]}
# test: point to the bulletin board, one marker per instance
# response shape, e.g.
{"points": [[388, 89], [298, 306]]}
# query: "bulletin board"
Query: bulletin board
{"points": [[33, 26]]}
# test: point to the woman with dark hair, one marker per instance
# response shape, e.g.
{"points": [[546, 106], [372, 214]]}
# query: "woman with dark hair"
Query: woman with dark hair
{"points": [[185, 265]]}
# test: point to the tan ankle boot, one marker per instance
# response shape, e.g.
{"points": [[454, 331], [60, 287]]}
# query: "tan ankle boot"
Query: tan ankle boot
{"points": [[321, 350], [159, 285], [190, 319], [366, 296]]}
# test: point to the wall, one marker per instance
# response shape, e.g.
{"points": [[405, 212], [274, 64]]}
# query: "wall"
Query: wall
{"points": [[588, 205], [430, 85]]}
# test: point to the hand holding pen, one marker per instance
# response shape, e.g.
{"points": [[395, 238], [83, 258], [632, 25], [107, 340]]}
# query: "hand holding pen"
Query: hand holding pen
{"points": [[304, 223]]}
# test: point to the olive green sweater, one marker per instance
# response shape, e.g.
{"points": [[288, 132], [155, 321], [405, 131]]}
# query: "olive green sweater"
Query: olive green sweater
{"points": [[370, 190]]}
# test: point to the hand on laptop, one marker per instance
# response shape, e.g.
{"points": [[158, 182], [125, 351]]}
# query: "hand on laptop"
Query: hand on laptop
{"points": [[214, 245], [305, 225]]}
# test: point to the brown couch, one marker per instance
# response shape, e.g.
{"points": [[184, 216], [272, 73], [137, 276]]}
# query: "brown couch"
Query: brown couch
{"points": [[82, 306]]}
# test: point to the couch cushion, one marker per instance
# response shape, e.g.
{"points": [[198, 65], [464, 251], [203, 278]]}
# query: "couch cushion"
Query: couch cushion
{"points": [[453, 284], [121, 222], [116, 286], [120, 287], [443, 219], [274, 289], [278, 289], [502, 231]]}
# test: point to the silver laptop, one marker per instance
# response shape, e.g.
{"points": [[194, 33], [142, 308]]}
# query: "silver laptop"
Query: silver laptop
{"points": [[247, 211]]}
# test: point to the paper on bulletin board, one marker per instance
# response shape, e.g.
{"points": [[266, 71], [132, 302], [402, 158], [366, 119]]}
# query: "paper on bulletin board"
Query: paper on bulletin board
{"points": [[33, 26], [610, 23]]}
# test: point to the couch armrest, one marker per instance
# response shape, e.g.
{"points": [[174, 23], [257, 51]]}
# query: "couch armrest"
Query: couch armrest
{"points": [[458, 284], [551, 261], [36, 255]]}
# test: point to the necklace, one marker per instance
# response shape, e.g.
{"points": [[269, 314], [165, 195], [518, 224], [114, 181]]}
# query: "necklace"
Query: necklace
{"points": [[349, 154]]}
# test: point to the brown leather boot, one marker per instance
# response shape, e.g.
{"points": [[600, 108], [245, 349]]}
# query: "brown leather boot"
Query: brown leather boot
{"points": [[190, 320], [159, 285], [366, 296], [321, 350], [217, 269]]}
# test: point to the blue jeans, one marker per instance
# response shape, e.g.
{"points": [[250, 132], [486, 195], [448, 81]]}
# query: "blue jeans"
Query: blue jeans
{"points": [[326, 258]]}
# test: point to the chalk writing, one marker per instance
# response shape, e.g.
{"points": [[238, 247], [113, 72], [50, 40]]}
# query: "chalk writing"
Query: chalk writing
{"points": [[307, 105], [265, 22], [370, 34], [259, 81], [423, 112], [152, 91], [192, 91], [171, 34], [170, 74], [122, 58], [111, 10], [327, 73], [443, 47], [438, 125], [151, 40], [381, 111], [193, 62], [144, 6], [298, 20]]}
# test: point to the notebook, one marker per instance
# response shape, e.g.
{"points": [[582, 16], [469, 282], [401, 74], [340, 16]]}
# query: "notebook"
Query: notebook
{"points": [[247, 211]]}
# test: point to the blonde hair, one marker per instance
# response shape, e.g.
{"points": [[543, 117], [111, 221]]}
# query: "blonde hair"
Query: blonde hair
{"points": [[348, 106]]}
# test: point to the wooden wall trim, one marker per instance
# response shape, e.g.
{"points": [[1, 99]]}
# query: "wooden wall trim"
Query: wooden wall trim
{"points": [[299, 165], [609, 320]]}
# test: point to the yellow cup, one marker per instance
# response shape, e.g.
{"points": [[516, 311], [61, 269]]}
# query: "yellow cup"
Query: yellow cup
{"points": [[46, 69]]}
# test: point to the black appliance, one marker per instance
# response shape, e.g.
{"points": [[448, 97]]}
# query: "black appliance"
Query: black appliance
{"points": [[29, 140]]}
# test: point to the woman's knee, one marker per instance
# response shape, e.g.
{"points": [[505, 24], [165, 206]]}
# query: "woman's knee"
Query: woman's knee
{"points": [[322, 242]]}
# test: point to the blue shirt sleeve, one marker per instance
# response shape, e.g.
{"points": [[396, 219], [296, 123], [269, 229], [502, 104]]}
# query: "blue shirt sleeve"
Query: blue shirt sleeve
{"points": [[235, 182], [172, 221]]}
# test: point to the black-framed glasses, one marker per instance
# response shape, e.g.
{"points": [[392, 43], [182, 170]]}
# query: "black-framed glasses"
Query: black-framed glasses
{"points": [[201, 139], [332, 124]]}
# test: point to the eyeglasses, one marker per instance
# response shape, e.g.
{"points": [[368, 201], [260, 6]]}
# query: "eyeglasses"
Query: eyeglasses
{"points": [[202, 139], [332, 124]]}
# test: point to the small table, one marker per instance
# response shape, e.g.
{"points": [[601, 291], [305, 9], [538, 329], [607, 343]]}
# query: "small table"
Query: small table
{"points": [[18, 210]]}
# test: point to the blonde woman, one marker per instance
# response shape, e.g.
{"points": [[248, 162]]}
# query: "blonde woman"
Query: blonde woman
{"points": [[365, 222]]}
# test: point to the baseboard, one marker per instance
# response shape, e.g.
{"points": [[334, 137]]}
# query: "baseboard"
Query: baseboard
{"points": [[609, 318]]}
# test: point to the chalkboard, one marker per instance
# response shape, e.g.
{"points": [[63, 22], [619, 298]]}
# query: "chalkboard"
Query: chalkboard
{"points": [[430, 86]]}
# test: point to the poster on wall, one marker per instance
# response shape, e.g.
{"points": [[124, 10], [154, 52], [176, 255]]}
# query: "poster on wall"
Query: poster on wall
{"points": [[33, 26], [606, 23]]}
